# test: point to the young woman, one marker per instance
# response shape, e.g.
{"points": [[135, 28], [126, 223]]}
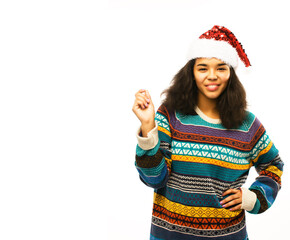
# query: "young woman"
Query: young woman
{"points": [[197, 150]]}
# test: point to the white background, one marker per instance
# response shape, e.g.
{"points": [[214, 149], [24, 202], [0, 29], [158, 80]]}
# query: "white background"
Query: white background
{"points": [[68, 74]]}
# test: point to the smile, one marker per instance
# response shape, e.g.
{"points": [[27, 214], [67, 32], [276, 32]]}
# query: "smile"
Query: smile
{"points": [[212, 87]]}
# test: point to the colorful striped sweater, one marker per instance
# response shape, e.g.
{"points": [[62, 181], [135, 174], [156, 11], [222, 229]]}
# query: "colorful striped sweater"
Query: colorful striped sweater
{"points": [[192, 161]]}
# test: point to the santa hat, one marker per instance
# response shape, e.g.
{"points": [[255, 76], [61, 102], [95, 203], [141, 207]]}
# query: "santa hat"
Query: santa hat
{"points": [[221, 43]]}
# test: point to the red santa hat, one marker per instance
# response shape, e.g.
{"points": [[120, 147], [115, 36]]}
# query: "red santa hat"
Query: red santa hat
{"points": [[221, 43]]}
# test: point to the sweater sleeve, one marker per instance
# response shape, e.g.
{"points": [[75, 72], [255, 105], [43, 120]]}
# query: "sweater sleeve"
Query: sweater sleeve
{"points": [[153, 154], [269, 166]]}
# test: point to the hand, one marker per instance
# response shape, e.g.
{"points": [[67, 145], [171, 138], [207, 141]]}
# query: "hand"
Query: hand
{"points": [[143, 107], [233, 200]]}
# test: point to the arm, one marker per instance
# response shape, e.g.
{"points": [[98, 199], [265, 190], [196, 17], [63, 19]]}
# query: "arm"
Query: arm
{"points": [[262, 193], [153, 156], [269, 166], [268, 183]]}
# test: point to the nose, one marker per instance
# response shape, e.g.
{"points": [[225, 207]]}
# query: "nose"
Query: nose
{"points": [[212, 75]]}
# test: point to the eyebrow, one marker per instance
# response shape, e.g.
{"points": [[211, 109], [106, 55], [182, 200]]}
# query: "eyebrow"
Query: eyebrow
{"points": [[205, 65]]}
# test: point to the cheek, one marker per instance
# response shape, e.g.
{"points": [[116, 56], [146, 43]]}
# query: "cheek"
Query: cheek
{"points": [[198, 82], [196, 78], [225, 78], [199, 78]]}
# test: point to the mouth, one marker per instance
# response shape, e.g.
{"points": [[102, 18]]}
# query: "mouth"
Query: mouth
{"points": [[212, 87]]}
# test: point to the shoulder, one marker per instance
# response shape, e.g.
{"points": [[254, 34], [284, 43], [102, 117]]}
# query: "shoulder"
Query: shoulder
{"points": [[250, 117], [165, 115], [163, 110], [251, 121], [162, 114]]}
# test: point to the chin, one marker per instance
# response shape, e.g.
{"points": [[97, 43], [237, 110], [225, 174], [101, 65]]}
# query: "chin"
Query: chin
{"points": [[213, 96]]}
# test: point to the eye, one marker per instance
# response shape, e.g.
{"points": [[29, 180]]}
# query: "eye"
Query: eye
{"points": [[202, 69], [222, 69]]}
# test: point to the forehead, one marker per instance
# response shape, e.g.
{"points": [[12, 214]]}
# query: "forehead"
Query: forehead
{"points": [[209, 61]]}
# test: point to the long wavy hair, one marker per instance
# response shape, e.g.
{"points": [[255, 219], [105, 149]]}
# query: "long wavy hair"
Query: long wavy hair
{"points": [[181, 96]]}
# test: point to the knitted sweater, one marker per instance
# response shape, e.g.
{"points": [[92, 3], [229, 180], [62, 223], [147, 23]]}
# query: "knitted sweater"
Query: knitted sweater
{"points": [[191, 160]]}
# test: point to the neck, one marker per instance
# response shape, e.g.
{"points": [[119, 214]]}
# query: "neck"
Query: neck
{"points": [[208, 106]]}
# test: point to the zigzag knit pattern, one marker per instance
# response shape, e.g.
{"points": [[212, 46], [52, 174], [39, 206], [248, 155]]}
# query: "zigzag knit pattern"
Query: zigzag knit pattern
{"points": [[192, 165]]}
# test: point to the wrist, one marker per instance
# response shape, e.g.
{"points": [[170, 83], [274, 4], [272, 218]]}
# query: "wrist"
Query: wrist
{"points": [[249, 199], [150, 140], [146, 127]]}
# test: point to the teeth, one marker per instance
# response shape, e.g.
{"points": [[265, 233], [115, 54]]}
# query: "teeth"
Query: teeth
{"points": [[212, 86]]}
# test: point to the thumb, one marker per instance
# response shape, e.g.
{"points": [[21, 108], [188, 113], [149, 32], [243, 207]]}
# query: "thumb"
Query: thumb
{"points": [[148, 95]]}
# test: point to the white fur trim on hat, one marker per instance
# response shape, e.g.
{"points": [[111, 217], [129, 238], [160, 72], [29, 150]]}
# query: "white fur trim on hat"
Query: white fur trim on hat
{"points": [[210, 48]]}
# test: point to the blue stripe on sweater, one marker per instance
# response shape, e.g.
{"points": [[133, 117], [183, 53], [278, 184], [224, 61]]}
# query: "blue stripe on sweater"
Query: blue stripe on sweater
{"points": [[154, 238], [164, 137], [268, 156], [256, 208], [190, 199], [267, 187], [155, 179]]}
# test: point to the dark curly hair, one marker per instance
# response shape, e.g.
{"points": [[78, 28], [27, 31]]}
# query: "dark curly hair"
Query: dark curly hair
{"points": [[181, 96]]}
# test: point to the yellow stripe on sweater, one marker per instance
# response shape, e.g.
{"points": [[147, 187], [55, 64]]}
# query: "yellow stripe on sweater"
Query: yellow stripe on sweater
{"points": [[215, 162], [267, 149], [164, 131], [274, 170], [198, 212]]}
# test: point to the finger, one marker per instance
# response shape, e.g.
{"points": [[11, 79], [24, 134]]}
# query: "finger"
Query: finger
{"points": [[232, 203], [140, 104], [141, 100], [229, 191], [148, 97], [141, 91], [231, 198], [143, 96], [238, 207]]}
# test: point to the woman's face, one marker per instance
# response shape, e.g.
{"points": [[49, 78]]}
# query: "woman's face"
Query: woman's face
{"points": [[211, 76]]}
